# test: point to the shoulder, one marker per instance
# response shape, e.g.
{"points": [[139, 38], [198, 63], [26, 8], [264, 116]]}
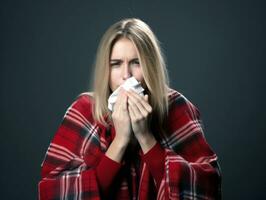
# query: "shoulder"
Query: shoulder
{"points": [[180, 104], [183, 118], [84, 98], [82, 105]]}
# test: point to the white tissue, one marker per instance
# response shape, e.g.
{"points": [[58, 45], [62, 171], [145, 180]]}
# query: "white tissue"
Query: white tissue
{"points": [[130, 83]]}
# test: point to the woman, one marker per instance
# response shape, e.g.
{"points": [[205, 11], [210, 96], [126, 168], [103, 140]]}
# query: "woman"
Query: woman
{"points": [[150, 146]]}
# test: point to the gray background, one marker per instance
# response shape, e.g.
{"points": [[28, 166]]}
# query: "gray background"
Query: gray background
{"points": [[215, 55]]}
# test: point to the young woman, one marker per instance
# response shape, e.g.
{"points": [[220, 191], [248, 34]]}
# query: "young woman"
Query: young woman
{"points": [[150, 146]]}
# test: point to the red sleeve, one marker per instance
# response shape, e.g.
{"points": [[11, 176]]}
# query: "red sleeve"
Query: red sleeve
{"points": [[106, 171], [154, 159]]}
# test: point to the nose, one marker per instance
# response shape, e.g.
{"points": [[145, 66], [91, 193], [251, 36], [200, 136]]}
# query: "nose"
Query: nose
{"points": [[126, 72]]}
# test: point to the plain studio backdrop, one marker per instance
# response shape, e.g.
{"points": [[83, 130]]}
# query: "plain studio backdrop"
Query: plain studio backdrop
{"points": [[215, 55]]}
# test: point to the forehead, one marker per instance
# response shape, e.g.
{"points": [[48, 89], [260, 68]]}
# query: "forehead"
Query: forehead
{"points": [[124, 48]]}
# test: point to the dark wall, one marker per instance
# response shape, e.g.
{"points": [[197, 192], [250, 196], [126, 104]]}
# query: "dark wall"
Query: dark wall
{"points": [[215, 54]]}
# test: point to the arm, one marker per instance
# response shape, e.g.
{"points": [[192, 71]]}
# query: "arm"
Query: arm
{"points": [[191, 166], [111, 161], [73, 158], [155, 158]]}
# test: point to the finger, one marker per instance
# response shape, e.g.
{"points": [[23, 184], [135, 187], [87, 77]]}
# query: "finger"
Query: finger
{"points": [[120, 93], [138, 109], [137, 113], [116, 104], [124, 102], [143, 100], [136, 101], [140, 102], [131, 113], [119, 100], [132, 92], [147, 105], [146, 97]]}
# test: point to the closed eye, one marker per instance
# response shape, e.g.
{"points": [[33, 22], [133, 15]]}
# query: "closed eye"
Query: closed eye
{"points": [[135, 62], [115, 63]]}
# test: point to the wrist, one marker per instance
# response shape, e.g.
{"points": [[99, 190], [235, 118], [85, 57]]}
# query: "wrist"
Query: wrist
{"points": [[116, 149], [121, 142], [146, 141]]}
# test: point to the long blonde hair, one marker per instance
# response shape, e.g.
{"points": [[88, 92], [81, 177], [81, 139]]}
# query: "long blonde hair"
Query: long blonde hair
{"points": [[151, 60]]}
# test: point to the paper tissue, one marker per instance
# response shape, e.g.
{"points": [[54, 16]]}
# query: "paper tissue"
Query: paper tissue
{"points": [[130, 83]]}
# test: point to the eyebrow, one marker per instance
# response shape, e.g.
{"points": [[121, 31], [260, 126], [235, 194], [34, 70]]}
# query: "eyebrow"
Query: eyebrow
{"points": [[119, 60]]}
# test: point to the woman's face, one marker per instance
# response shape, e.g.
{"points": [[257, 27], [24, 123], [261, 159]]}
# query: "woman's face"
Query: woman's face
{"points": [[124, 63]]}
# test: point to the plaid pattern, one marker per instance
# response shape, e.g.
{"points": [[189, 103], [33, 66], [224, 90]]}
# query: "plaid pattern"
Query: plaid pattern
{"points": [[191, 167]]}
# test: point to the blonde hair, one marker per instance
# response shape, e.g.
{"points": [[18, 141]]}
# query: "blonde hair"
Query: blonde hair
{"points": [[151, 60]]}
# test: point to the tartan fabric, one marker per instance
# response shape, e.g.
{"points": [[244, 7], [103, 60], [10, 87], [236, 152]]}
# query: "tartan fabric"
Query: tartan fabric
{"points": [[191, 168]]}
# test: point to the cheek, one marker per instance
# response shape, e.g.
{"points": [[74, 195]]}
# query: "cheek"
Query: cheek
{"points": [[113, 74], [138, 75]]}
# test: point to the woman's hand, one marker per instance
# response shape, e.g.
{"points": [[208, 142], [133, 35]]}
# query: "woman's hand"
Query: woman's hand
{"points": [[139, 112], [121, 118]]}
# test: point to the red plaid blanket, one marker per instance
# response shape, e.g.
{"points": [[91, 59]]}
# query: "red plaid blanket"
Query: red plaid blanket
{"points": [[69, 167]]}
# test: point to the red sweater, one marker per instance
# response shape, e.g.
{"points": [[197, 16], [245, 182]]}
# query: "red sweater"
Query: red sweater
{"points": [[181, 165], [154, 159]]}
